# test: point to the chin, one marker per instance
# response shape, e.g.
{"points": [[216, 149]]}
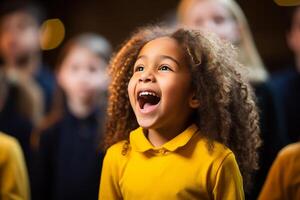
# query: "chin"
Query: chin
{"points": [[147, 123]]}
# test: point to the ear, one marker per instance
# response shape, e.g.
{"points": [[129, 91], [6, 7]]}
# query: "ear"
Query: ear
{"points": [[193, 101]]}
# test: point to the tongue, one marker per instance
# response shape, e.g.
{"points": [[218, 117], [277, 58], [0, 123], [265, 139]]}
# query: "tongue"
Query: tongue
{"points": [[148, 107]]}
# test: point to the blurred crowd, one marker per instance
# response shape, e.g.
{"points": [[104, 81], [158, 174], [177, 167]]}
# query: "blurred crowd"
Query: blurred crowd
{"points": [[52, 117]]}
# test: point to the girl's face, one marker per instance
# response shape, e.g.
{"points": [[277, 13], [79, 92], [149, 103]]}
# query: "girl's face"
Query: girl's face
{"points": [[293, 37], [82, 75], [214, 17], [160, 89], [19, 35]]}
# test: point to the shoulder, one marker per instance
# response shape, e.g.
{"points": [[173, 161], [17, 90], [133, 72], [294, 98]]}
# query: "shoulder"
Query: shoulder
{"points": [[290, 151], [9, 148], [223, 157], [117, 155], [214, 154], [213, 150], [7, 141], [118, 148], [287, 159], [220, 168], [224, 162]]}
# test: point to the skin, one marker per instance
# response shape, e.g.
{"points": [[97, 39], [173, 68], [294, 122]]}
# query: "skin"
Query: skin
{"points": [[82, 76], [293, 37], [161, 67], [19, 39], [214, 17]]}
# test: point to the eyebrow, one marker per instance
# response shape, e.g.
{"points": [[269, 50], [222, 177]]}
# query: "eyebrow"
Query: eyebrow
{"points": [[161, 57]]}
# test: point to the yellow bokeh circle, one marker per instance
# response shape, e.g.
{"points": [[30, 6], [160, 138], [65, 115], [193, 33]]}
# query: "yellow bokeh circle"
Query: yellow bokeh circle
{"points": [[53, 33]]}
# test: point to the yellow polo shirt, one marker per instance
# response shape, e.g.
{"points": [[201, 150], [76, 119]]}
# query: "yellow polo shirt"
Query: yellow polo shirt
{"points": [[283, 181], [14, 183], [182, 168]]}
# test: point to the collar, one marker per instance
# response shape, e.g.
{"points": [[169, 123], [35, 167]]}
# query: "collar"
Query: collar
{"points": [[140, 143]]}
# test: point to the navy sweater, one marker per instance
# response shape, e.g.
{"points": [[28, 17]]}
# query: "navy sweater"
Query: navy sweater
{"points": [[69, 162], [286, 87]]}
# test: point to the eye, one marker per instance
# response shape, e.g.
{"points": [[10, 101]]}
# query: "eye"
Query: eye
{"points": [[164, 68], [138, 68], [219, 19], [92, 68]]}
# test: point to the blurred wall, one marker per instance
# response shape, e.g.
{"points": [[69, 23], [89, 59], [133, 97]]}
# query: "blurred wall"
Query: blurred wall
{"points": [[116, 19]]}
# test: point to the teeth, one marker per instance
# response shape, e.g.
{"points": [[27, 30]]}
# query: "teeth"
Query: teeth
{"points": [[147, 93]]}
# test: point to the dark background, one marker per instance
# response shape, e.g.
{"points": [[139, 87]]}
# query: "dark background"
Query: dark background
{"points": [[116, 19]]}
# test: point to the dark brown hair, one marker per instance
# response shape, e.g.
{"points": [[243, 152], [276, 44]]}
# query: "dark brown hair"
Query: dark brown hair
{"points": [[227, 113], [34, 9]]}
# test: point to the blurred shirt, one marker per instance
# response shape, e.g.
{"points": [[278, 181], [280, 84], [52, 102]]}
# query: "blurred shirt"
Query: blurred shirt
{"points": [[69, 161], [283, 181], [14, 183], [285, 86]]}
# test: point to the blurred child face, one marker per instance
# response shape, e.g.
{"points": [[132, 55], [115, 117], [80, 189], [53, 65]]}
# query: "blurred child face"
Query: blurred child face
{"points": [[82, 75], [160, 87], [19, 36], [293, 37], [214, 17]]}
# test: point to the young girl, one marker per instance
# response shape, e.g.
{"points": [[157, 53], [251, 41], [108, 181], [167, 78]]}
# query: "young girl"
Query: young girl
{"points": [[181, 120], [69, 157]]}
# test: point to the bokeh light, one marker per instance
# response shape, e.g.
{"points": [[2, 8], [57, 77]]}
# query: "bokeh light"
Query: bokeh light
{"points": [[53, 33], [288, 2]]}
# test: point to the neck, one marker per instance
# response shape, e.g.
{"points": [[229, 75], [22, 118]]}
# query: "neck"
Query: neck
{"points": [[160, 136], [29, 65], [81, 109]]}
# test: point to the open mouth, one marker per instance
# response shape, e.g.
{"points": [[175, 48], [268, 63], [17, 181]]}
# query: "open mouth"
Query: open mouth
{"points": [[148, 99]]}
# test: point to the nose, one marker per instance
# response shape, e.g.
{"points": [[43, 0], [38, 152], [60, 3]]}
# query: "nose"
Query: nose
{"points": [[209, 25], [147, 76]]}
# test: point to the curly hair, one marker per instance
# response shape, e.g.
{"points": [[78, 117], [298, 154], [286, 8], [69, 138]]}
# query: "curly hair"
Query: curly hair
{"points": [[227, 114]]}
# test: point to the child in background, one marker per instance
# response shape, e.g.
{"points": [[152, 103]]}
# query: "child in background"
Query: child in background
{"points": [[286, 83], [15, 112], [21, 78], [283, 181], [181, 123], [69, 160], [14, 183], [227, 20], [20, 51]]}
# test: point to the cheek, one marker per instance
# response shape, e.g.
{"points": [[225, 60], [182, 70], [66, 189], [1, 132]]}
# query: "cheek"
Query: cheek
{"points": [[295, 39], [66, 83], [67, 80], [228, 31], [30, 39], [191, 22], [131, 90], [176, 90]]}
